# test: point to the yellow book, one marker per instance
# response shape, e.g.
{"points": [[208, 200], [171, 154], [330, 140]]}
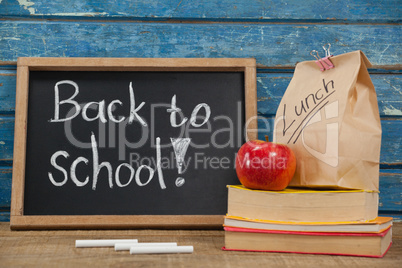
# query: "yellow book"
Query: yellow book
{"points": [[377, 225], [303, 205]]}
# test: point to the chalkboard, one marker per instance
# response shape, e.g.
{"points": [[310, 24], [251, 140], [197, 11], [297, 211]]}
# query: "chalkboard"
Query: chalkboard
{"points": [[128, 143]]}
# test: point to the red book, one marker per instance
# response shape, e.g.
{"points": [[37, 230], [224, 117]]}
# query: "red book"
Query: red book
{"points": [[353, 244]]}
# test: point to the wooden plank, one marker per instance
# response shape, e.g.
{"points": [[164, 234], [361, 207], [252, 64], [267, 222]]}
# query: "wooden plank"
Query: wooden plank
{"points": [[19, 154], [5, 188], [273, 45], [325, 10], [6, 137], [4, 216], [7, 91], [390, 192], [390, 201], [116, 222], [272, 86], [134, 64], [390, 198], [251, 103], [391, 151], [270, 89], [56, 248]]}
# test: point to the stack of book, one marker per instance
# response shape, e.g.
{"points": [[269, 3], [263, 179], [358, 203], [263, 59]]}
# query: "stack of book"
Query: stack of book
{"points": [[338, 222]]}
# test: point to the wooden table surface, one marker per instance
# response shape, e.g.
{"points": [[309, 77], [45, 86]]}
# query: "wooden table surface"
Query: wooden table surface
{"points": [[57, 249]]}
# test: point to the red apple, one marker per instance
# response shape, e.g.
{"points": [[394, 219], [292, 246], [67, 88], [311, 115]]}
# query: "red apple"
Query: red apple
{"points": [[265, 165]]}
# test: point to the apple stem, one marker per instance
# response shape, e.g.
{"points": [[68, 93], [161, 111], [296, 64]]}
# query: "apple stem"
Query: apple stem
{"points": [[266, 138]]}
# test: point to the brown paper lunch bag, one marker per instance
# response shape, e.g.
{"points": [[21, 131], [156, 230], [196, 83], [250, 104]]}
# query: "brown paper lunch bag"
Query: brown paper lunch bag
{"points": [[330, 120]]}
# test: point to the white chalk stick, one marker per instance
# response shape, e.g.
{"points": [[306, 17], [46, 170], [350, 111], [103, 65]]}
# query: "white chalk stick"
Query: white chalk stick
{"points": [[127, 246], [161, 250], [102, 242]]}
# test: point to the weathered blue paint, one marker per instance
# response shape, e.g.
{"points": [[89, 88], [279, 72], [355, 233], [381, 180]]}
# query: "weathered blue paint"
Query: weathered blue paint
{"points": [[270, 89], [245, 10], [390, 200], [391, 143], [7, 92], [273, 45], [277, 33], [4, 216], [6, 137], [272, 86], [5, 187], [391, 149]]}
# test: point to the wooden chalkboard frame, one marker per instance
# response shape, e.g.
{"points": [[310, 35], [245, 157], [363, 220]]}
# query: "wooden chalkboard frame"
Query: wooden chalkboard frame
{"points": [[24, 65]]}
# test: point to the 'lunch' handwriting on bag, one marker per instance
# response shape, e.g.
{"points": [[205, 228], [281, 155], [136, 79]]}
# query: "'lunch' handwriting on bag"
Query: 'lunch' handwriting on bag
{"points": [[308, 105]]}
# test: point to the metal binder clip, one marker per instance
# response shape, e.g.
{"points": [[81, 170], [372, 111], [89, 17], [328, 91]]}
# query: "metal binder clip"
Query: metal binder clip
{"points": [[328, 64], [324, 63], [318, 60]]}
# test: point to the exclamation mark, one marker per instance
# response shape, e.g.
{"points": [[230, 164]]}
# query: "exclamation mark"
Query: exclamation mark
{"points": [[180, 146]]}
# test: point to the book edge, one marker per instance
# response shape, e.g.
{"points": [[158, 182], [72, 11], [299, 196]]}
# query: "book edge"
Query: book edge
{"points": [[248, 230], [314, 253], [294, 190], [381, 220]]}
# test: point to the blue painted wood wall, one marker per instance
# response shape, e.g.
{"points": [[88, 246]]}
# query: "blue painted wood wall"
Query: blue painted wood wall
{"points": [[277, 33]]}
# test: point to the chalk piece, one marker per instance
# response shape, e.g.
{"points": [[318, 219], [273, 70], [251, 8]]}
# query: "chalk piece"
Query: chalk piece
{"points": [[102, 242], [161, 250], [127, 246]]}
